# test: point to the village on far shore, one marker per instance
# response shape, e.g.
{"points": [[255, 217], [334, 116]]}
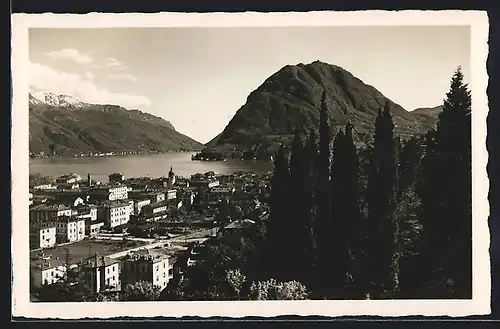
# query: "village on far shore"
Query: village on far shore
{"points": [[135, 229]]}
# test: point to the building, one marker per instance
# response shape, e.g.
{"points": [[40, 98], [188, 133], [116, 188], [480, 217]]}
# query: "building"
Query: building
{"points": [[42, 236], [45, 270], [69, 229], [44, 213], [68, 186], [154, 208], [87, 212], [68, 179], [45, 187], [109, 192], [92, 228], [30, 198], [174, 204], [116, 178], [147, 265], [156, 196], [187, 197], [204, 183], [114, 213], [171, 194], [101, 273], [139, 204], [171, 178], [220, 193]]}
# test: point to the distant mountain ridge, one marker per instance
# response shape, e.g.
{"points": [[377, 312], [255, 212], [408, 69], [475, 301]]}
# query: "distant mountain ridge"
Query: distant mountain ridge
{"points": [[74, 127], [291, 98]]}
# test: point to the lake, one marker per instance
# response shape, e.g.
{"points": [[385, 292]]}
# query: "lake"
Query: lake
{"points": [[150, 165]]}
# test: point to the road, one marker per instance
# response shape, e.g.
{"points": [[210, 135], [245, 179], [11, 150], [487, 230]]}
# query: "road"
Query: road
{"points": [[199, 236]]}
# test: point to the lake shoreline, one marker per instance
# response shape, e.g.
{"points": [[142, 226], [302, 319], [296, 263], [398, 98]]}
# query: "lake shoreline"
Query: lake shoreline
{"points": [[141, 165]]}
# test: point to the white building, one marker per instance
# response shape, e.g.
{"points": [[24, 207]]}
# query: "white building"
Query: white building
{"points": [[101, 273], [139, 204], [45, 270], [68, 179], [147, 265], [114, 213], [42, 236], [171, 194], [69, 229], [110, 192]]}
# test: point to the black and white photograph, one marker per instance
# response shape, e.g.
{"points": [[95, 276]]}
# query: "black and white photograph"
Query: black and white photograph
{"points": [[319, 161]]}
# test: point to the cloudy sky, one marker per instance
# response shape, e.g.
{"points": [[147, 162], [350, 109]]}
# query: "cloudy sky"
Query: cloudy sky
{"points": [[197, 78]]}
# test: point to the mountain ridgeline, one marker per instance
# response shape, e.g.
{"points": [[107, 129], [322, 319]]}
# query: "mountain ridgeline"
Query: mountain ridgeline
{"points": [[291, 98], [66, 126]]}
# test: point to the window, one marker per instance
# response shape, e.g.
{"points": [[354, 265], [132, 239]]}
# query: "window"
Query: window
{"points": [[164, 274], [157, 278], [52, 273], [113, 278], [108, 270], [164, 264]]}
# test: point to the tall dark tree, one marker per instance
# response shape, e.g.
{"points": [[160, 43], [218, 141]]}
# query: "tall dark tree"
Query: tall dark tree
{"points": [[382, 228], [426, 184], [300, 204], [449, 231], [351, 208], [345, 213], [308, 210], [322, 222], [275, 253], [409, 161]]}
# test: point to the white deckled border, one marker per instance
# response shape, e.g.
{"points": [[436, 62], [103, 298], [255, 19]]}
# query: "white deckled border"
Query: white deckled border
{"points": [[480, 304]]}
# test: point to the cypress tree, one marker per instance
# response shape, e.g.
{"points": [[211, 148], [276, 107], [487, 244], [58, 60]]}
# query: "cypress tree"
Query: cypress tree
{"points": [[352, 207], [301, 205], [450, 233], [310, 209], [322, 222], [427, 182], [275, 248], [346, 238], [382, 228]]}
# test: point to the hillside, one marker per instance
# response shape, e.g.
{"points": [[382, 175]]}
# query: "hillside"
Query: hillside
{"points": [[428, 115], [77, 127], [291, 97]]}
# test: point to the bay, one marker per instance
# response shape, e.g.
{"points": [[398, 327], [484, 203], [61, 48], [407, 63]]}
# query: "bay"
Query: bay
{"points": [[143, 165]]}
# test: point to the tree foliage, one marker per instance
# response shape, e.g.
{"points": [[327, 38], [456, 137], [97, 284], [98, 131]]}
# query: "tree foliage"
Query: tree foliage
{"points": [[140, 291]]}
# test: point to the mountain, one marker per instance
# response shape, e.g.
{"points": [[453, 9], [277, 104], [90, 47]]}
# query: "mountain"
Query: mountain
{"points": [[428, 115], [74, 127], [291, 97]]}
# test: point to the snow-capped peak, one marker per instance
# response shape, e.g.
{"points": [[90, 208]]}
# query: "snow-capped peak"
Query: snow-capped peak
{"points": [[37, 97]]}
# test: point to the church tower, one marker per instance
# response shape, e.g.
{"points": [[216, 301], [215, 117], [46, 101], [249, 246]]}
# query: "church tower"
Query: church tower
{"points": [[171, 177]]}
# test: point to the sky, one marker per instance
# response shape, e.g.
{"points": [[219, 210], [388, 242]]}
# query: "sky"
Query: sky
{"points": [[197, 78]]}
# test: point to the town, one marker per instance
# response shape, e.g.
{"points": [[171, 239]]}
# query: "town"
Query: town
{"points": [[127, 230]]}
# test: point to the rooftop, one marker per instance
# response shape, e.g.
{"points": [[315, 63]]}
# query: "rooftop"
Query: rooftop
{"points": [[50, 207], [115, 203], [154, 255], [41, 262], [98, 261]]}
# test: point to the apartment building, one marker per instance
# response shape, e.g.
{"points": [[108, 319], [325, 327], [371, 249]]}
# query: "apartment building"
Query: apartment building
{"points": [[101, 273], [68, 229], [114, 213], [42, 236], [147, 265]]}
